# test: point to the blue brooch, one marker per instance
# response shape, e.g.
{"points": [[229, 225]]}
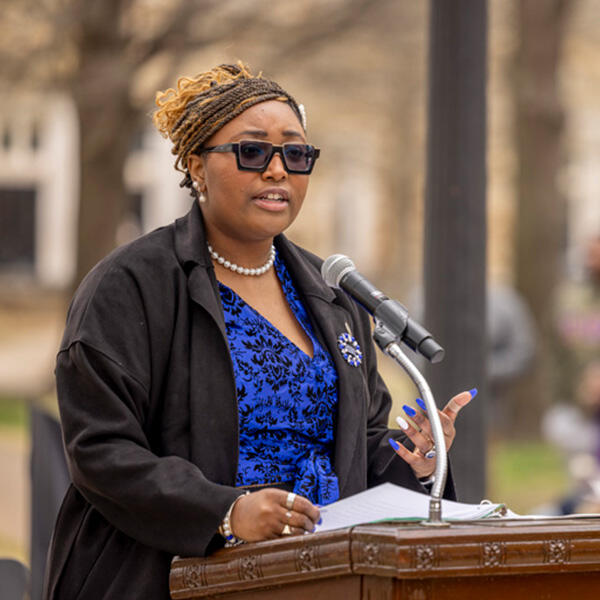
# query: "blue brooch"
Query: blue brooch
{"points": [[350, 349]]}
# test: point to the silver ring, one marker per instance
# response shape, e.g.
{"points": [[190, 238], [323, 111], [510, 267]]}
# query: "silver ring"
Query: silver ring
{"points": [[289, 502], [430, 454], [288, 515], [287, 530]]}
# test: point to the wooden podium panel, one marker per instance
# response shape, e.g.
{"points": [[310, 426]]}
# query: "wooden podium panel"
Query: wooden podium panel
{"points": [[514, 560]]}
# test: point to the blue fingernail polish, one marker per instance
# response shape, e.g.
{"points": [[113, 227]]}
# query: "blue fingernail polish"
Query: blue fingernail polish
{"points": [[409, 410], [421, 403], [320, 520], [394, 444], [473, 392]]}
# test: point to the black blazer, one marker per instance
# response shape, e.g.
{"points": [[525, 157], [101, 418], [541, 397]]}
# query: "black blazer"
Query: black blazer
{"points": [[149, 412]]}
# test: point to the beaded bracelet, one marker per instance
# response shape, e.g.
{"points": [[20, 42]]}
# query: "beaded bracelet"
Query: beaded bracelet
{"points": [[225, 527]]}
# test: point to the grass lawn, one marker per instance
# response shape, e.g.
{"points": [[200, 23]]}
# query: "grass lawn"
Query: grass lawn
{"points": [[13, 412], [525, 474]]}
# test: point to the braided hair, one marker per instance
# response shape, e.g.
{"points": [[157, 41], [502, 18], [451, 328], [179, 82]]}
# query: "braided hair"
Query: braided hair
{"points": [[200, 106]]}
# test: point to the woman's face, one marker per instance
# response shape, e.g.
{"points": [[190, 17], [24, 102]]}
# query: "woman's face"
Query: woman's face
{"points": [[247, 205]]}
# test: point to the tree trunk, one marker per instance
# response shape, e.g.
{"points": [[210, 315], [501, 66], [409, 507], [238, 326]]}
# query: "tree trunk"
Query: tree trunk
{"points": [[400, 245], [108, 122], [541, 213]]}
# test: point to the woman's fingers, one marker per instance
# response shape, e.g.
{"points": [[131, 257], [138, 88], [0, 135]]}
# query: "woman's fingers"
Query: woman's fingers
{"points": [[421, 434], [457, 403], [421, 466], [421, 420], [451, 410], [449, 413], [298, 521], [257, 516], [305, 507], [421, 441], [403, 452], [297, 512], [264, 515], [416, 416]]}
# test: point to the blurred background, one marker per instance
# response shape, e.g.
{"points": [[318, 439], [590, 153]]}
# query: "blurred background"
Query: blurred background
{"points": [[83, 170]]}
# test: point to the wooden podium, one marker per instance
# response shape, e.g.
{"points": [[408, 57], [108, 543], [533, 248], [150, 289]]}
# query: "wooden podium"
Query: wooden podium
{"points": [[508, 560]]}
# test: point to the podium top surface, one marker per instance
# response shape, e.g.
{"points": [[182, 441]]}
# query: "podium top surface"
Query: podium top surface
{"points": [[398, 550]]}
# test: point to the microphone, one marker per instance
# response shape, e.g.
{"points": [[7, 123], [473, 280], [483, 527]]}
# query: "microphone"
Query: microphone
{"points": [[339, 271]]}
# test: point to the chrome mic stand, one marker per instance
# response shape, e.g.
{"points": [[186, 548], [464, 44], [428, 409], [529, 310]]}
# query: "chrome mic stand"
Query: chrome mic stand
{"points": [[388, 343]]}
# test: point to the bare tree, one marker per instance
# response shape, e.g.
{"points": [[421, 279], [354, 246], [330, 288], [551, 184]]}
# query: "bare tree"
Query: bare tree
{"points": [[96, 50]]}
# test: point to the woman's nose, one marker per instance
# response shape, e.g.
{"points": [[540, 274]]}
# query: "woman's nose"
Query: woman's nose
{"points": [[275, 169]]}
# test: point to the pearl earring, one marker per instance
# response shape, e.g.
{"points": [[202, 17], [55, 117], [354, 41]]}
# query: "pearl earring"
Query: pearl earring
{"points": [[201, 196]]}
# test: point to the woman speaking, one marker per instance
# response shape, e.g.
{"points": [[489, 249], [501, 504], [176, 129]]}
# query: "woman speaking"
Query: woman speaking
{"points": [[212, 388]]}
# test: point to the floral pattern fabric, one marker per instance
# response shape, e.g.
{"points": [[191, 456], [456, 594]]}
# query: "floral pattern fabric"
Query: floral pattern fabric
{"points": [[286, 400]]}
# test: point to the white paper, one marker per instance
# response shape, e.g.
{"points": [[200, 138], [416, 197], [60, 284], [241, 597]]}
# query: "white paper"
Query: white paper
{"points": [[389, 502]]}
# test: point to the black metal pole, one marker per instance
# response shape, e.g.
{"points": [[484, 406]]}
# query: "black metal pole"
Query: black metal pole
{"points": [[455, 224]]}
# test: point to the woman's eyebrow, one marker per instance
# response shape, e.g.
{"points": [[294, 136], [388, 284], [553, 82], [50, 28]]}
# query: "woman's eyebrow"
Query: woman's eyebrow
{"points": [[292, 133], [253, 132], [261, 133]]}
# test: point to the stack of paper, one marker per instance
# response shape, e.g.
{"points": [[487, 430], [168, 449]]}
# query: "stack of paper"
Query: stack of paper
{"points": [[389, 502]]}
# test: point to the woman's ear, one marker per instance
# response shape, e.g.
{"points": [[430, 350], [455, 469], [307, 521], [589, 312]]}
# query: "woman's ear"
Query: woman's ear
{"points": [[195, 165]]}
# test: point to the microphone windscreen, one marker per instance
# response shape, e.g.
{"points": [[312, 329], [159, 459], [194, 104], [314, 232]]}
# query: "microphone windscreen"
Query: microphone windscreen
{"points": [[334, 268]]}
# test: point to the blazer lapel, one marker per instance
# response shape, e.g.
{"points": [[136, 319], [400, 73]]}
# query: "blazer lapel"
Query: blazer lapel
{"points": [[191, 250], [214, 435]]}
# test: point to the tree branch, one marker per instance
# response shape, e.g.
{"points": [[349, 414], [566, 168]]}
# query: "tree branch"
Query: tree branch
{"points": [[170, 36], [318, 30]]}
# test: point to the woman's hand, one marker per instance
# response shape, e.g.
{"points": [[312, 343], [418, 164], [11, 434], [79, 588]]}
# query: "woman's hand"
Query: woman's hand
{"points": [[263, 515], [422, 438]]}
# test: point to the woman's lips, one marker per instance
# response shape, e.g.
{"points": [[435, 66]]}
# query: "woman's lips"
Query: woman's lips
{"points": [[271, 201]]}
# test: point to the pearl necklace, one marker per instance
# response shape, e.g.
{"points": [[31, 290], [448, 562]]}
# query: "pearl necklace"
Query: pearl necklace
{"points": [[243, 270]]}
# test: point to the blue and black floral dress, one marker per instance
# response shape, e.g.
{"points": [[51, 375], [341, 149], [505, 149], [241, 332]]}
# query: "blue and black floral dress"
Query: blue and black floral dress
{"points": [[286, 400]]}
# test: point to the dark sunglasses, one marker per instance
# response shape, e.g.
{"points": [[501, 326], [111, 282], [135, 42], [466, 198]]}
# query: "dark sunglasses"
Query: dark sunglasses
{"points": [[256, 155]]}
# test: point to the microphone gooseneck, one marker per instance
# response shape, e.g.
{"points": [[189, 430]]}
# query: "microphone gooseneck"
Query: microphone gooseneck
{"points": [[393, 325]]}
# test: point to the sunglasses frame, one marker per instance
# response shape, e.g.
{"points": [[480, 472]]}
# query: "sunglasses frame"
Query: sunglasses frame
{"points": [[235, 147]]}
